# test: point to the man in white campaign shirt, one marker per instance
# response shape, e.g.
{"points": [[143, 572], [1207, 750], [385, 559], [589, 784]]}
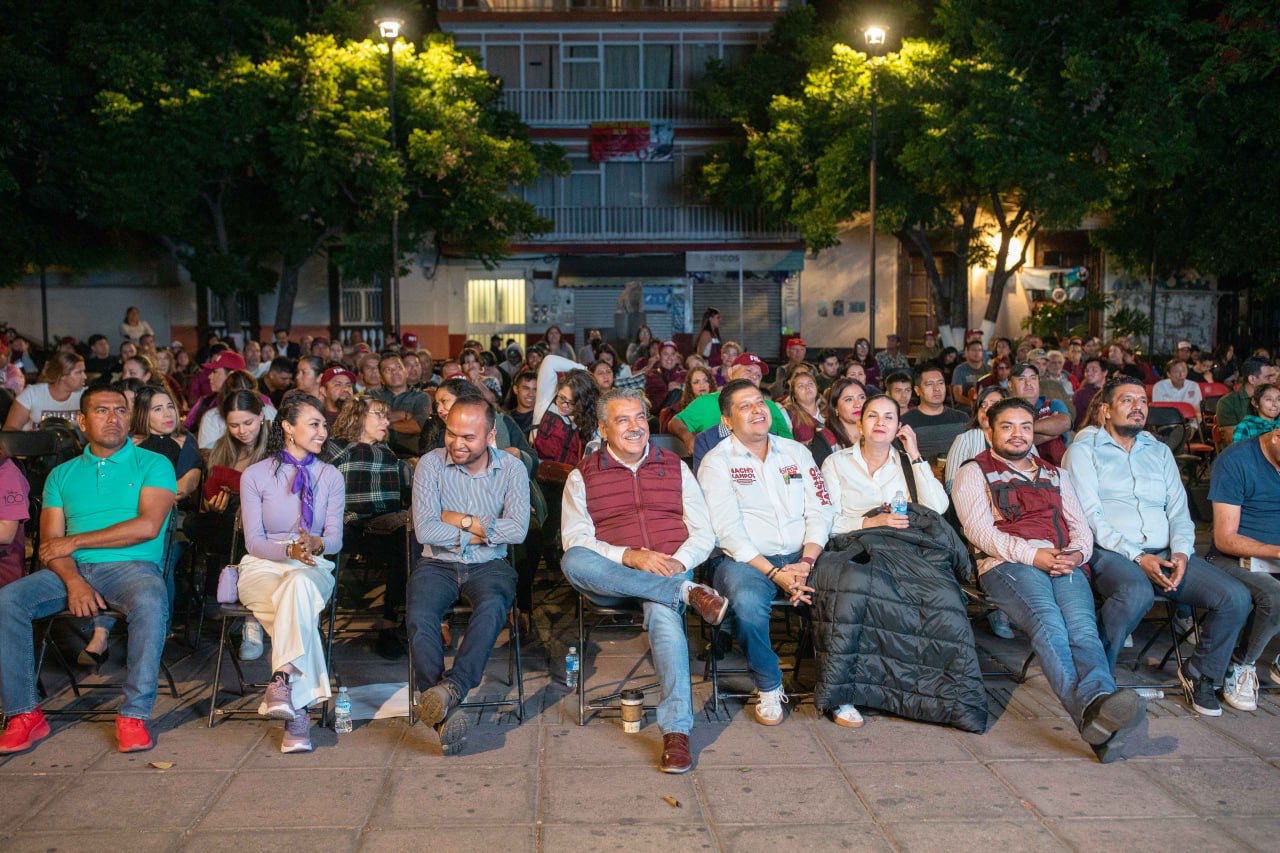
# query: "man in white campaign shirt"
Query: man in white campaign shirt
{"points": [[772, 513]]}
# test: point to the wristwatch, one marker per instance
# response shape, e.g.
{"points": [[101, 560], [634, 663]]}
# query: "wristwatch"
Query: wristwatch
{"points": [[466, 522]]}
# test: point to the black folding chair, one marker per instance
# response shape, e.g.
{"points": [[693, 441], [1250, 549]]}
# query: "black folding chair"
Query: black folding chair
{"points": [[45, 628], [515, 663], [780, 606], [228, 613]]}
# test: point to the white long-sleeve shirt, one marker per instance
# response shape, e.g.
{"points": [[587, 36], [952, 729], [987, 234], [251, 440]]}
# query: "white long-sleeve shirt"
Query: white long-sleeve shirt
{"points": [[577, 529], [765, 507], [966, 446], [546, 388], [855, 491]]}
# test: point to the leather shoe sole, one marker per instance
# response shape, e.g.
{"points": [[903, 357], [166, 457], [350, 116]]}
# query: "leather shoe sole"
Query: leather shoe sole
{"points": [[1117, 714]]}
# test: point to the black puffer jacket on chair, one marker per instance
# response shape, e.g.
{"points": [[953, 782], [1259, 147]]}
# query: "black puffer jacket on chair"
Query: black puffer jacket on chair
{"points": [[890, 627]]}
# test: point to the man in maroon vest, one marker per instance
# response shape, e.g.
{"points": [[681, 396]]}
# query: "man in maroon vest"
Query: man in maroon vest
{"points": [[634, 525], [1022, 514]]}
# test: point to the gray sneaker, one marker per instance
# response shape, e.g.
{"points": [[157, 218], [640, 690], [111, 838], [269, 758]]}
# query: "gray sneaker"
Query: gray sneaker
{"points": [[440, 708], [297, 734], [277, 702]]}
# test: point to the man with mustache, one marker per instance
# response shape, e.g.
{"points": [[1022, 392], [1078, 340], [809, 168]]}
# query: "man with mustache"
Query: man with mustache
{"points": [[772, 513], [1133, 497], [634, 525], [102, 540], [1021, 513]]}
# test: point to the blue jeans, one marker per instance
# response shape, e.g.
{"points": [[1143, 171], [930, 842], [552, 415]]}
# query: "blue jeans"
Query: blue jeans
{"points": [[436, 585], [608, 584], [1127, 595], [135, 588], [1057, 614], [751, 597]]}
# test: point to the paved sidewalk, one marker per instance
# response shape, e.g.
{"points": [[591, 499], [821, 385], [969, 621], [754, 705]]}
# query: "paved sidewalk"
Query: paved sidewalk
{"points": [[1027, 784]]}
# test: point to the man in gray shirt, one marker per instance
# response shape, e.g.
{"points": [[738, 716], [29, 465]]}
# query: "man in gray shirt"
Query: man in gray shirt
{"points": [[410, 409]]}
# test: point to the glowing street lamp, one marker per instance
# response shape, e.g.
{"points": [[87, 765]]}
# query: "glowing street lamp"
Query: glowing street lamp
{"points": [[875, 43], [389, 29]]}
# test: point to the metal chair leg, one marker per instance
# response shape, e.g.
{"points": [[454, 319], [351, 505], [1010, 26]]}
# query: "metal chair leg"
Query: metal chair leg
{"points": [[519, 668], [582, 654], [217, 672]]}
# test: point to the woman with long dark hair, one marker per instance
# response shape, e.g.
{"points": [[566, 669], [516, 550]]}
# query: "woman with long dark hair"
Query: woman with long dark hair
{"points": [[570, 421], [865, 355], [639, 348], [845, 399], [707, 344], [698, 381], [291, 507]]}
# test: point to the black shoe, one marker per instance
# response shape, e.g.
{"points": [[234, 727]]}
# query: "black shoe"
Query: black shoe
{"points": [[1108, 721], [93, 660], [1204, 696], [387, 645]]}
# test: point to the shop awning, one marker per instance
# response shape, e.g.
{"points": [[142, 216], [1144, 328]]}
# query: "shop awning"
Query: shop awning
{"points": [[618, 270]]}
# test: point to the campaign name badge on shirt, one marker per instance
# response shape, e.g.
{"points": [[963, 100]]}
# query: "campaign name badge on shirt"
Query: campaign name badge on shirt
{"points": [[745, 476], [789, 473]]}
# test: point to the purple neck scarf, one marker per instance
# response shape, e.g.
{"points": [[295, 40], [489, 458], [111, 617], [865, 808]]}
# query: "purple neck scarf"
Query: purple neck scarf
{"points": [[303, 486]]}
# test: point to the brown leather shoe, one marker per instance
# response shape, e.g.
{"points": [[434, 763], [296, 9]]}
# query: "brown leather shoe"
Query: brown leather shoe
{"points": [[708, 603], [675, 753]]}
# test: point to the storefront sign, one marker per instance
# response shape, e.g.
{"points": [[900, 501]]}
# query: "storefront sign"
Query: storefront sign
{"points": [[632, 141]]}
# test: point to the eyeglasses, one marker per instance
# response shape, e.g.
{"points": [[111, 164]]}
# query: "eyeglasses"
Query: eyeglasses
{"points": [[563, 401]]}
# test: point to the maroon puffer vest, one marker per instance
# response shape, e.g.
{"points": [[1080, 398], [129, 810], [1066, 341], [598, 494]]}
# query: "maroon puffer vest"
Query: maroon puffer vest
{"points": [[1030, 510], [640, 510]]}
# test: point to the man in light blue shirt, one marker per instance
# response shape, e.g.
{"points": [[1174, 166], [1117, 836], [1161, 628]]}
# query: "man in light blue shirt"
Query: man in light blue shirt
{"points": [[1133, 497], [470, 501]]}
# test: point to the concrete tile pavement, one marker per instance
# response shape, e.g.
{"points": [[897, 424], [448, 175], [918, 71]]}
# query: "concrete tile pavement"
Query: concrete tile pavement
{"points": [[1027, 784]]}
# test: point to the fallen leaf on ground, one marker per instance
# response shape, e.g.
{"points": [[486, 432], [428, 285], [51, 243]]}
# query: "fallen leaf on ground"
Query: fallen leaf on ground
{"points": [[672, 801], [162, 765]]}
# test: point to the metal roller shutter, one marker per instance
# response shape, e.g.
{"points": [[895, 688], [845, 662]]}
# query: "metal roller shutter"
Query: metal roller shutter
{"points": [[593, 308], [762, 302]]}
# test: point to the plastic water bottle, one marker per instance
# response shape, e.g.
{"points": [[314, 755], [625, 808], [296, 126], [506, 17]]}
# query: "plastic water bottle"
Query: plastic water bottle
{"points": [[900, 503], [1150, 692], [342, 712], [571, 667]]}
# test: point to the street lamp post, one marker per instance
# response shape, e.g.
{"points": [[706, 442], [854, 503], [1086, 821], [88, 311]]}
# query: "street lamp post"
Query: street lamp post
{"points": [[389, 28], [875, 40]]}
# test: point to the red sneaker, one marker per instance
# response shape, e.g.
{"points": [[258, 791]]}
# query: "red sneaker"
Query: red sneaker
{"points": [[132, 734], [23, 732]]}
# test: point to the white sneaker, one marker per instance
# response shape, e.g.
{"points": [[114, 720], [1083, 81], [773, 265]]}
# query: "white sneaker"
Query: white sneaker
{"points": [[847, 716], [769, 706], [251, 640], [1241, 690]]}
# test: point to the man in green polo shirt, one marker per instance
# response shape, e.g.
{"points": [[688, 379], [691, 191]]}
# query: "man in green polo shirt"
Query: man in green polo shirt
{"points": [[1234, 407], [703, 412], [102, 532]]}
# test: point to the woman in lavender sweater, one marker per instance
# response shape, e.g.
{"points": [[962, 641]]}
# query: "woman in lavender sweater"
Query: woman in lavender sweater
{"points": [[291, 507]]}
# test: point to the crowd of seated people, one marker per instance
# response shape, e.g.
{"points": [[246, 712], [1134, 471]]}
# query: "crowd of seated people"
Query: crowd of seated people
{"points": [[774, 488]]}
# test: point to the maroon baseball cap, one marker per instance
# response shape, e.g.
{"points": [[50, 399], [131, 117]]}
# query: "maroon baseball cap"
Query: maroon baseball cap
{"points": [[334, 372], [749, 359], [227, 360], [796, 342], [671, 344], [409, 339]]}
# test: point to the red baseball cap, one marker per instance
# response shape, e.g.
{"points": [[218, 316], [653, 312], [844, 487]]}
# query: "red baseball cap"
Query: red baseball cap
{"points": [[796, 342], [227, 360], [409, 339], [334, 372], [749, 359]]}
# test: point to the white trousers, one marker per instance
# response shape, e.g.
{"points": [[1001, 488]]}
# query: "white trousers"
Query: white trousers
{"points": [[287, 598]]}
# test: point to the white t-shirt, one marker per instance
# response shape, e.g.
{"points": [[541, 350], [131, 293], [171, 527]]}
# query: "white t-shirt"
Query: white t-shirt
{"points": [[1164, 392], [37, 400], [135, 331]]}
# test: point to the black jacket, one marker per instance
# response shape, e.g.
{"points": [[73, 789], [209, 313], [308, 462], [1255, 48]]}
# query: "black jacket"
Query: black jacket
{"points": [[890, 625]]}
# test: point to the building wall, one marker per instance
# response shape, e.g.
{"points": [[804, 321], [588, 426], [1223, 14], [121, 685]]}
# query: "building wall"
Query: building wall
{"points": [[841, 273]]}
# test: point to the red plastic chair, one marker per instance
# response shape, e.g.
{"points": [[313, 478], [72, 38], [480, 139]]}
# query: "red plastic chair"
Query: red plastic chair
{"points": [[1213, 389]]}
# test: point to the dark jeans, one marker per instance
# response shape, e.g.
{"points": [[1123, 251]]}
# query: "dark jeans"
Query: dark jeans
{"points": [[435, 586], [1127, 594], [385, 551]]}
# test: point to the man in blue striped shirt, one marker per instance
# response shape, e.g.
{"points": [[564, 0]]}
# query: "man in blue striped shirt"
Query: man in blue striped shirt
{"points": [[470, 501]]}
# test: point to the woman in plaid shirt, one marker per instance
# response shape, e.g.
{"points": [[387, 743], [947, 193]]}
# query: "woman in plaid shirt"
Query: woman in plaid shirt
{"points": [[375, 519]]}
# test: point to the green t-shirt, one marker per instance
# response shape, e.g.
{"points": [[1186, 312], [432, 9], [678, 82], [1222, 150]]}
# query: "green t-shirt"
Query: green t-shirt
{"points": [[95, 493], [704, 413], [1233, 408]]}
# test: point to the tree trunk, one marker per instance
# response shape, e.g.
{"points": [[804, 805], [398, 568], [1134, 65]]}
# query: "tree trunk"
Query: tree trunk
{"points": [[430, 16], [286, 294], [231, 311], [1004, 270]]}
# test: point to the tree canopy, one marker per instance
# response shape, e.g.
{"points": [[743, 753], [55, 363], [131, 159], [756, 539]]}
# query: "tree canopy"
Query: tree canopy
{"points": [[248, 137], [999, 120]]}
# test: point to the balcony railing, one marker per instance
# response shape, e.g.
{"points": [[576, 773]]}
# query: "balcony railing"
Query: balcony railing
{"points": [[690, 222], [622, 6], [579, 107]]}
